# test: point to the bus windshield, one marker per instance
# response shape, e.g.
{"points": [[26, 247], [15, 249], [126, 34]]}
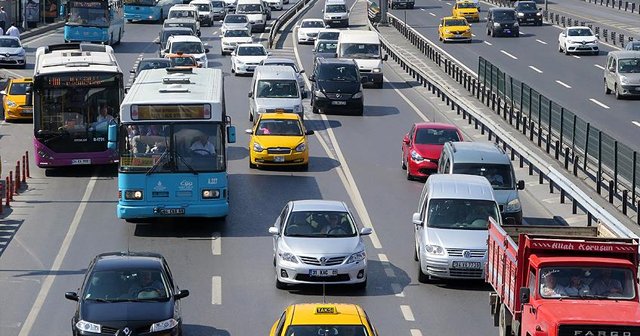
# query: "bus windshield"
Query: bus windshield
{"points": [[140, 2], [88, 13], [172, 148]]}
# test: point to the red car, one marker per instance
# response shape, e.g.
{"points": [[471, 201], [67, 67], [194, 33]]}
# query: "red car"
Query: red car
{"points": [[421, 147]]}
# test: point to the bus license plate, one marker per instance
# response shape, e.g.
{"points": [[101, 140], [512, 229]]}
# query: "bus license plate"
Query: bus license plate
{"points": [[278, 159], [323, 273], [466, 264], [176, 211], [81, 161]]}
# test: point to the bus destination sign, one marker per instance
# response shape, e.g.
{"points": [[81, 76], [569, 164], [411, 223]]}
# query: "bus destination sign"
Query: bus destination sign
{"points": [[170, 112], [79, 80]]}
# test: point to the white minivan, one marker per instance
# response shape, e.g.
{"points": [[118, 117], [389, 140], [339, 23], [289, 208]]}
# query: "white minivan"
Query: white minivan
{"points": [[335, 13], [255, 12], [205, 11], [274, 88], [363, 47]]}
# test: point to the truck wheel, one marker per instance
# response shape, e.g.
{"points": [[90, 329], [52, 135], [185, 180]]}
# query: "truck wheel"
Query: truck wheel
{"points": [[504, 325]]}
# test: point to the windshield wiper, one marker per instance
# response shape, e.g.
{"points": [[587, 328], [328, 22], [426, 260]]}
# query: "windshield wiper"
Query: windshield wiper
{"points": [[53, 135], [193, 171], [157, 164], [101, 300]]}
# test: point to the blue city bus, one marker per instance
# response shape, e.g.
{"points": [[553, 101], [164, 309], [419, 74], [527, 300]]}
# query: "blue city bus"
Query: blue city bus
{"points": [[172, 137], [148, 10], [95, 21]]}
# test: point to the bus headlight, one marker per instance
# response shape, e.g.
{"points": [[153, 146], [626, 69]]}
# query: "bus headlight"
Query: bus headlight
{"points": [[133, 194], [210, 193]]}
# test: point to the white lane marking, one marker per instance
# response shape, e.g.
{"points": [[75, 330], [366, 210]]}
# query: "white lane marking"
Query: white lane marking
{"points": [[64, 248], [487, 43], [576, 56], [397, 288], [407, 313], [540, 41], [216, 244], [416, 332], [563, 84], [421, 9], [381, 256], [449, 4], [215, 33], [599, 103], [432, 14], [599, 66], [473, 35], [345, 173], [535, 69], [636, 123], [508, 54], [216, 290]]}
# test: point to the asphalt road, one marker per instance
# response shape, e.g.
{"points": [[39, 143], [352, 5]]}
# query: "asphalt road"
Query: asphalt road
{"points": [[575, 82], [68, 216]]}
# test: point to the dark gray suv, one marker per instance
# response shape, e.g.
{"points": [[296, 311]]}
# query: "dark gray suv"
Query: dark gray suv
{"points": [[528, 13], [502, 21]]}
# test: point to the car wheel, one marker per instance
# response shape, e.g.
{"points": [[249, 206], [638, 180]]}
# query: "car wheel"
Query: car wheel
{"points": [[360, 285], [422, 277], [254, 166], [606, 88], [493, 33], [404, 164], [616, 92], [488, 32]]}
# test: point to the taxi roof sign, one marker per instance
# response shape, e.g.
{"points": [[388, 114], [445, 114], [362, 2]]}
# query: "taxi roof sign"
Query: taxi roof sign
{"points": [[326, 310]]}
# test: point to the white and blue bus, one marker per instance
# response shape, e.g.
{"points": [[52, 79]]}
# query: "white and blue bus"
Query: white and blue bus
{"points": [[148, 10], [95, 21], [172, 142]]}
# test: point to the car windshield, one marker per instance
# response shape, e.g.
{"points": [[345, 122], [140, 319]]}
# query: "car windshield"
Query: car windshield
{"points": [[579, 32], [126, 285], [190, 25], [167, 34], [154, 64], [237, 33], [183, 61], [182, 14], [312, 24], [328, 35], [335, 9], [236, 19], [466, 5], [329, 330], [19, 89], [455, 22], [629, 65], [586, 282], [249, 8], [504, 16], [9, 43], [217, 4], [251, 51], [633, 46], [527, 6], [461, 214], [360, 50], [320, 224], [277, 89], [203, 7], [432, 136], [279, 127], [187, 47], [336, 72], [499, 175], [326, 46]]}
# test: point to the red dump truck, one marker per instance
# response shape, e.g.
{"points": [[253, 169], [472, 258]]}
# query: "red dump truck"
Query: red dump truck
{"points": [[562, 281]]}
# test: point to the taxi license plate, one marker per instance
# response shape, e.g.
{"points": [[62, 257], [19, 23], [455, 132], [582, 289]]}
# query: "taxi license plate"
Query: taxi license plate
{"points": [[174, 211], [29, 111], [323, 273], [466, 264], [278, 159], [81, 161], [339, 102]]}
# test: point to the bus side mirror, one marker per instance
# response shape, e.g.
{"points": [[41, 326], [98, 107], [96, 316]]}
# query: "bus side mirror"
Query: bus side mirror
{"points": [[231, 134], [112, 136], [525, 295]]}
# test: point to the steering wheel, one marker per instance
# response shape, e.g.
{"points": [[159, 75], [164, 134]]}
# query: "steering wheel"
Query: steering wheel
{"points": [[149, 289], [201, 150], [336, 229]]}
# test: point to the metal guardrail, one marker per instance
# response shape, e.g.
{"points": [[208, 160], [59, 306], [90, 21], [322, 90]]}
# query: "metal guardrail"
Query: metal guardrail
{"points": [[555, 178], [629, 6], [284, 18]]}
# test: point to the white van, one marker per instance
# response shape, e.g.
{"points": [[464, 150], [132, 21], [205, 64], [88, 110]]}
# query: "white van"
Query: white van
{"points": [[205, 11], [275, 88], [182, 11], [451, 226], [255, 12], [363, 47], [336, 13]]}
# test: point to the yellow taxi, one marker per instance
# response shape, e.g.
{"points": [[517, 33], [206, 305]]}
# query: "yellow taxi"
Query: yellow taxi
{"points": [[467, 10], [313, 319], [454, 28], [279, 139], [15, 97]]}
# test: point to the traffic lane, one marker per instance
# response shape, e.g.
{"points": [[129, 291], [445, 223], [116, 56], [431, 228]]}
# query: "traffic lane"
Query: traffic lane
{"points": [[605, 17]]}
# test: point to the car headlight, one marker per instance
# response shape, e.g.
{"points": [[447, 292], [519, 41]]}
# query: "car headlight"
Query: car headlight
{"points": [[257, 148], [21, 53], [356, 257], [496, 24], [133, 194], [357, 95], [319, 93], [163, 325], [417, 157], [210, 193], [297, 109], [376, 70], [538, 14], [513, 206], [434, 249], [623, 80], [286, 256], [83, 325], [520, 14], [301, 147], [11, 103]]}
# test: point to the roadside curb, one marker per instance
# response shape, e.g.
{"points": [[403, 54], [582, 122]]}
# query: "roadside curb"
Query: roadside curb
{"points": [[41, 30]]}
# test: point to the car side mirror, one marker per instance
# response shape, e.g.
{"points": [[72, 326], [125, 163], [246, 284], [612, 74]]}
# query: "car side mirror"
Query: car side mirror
{"points": [[301, 71], [597, 35], [206, 50], [309, 132], [250, 94], [274, 230], [312, 78], [366, 231], [612, 69], [525, 295], [183, 293], [406, 139], [440, 25], [385, 58], [269, 53], [73, 296], [233, 53], [3, 92], [562, 34], [416, 219], [156, 41], [470, 25], [521, 185], [248, 131]]}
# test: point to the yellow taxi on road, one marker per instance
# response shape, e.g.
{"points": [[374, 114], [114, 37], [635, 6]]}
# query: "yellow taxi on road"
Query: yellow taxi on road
{"points": [[15, 97], [279, 139], [313, 319], [454, 28], [467, 10]]}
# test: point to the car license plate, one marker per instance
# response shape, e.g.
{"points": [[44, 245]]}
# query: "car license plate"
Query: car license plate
{"points": [[466, 264], [336, 21], [81, 161], [530, 19], [339, 102], [27, 111], [173, 211], [507, 31], [323, 273], [458, 35], [278, 159]]}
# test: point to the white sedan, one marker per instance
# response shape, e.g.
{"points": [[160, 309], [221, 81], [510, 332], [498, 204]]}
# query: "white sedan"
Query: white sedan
{"points": [[233, 37], [247, 57], [309, 29], [578, 40]]}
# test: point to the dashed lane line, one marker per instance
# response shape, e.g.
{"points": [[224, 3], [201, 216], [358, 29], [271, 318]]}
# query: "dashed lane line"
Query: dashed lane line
{"points": [[487, 43], [383, 257], [535, 69], [576, 56], [563, 84], [636, 123], [407, 313], [599, 66], [508, 54], [216, 244], [540, 41], [599, 103], [432, 14], [216, 290]]}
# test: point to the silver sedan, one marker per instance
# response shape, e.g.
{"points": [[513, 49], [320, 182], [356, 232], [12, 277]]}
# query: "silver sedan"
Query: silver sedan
{"points": [[318, 242]]}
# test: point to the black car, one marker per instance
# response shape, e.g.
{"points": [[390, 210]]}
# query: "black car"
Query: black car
{"points": [[127, 293], [528, 12], [502, 21], [337, 85], [150, 63]]}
